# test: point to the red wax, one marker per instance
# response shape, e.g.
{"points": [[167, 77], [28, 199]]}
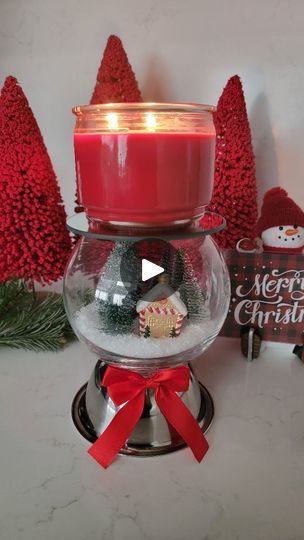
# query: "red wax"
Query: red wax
{"points": [[144, 177]]}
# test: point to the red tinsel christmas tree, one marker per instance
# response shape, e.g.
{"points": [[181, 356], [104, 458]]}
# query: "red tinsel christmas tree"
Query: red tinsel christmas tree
{"points": [[116, 81], [34, 241], [235, 193]]}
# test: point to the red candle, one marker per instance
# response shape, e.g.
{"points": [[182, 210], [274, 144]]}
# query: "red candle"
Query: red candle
{"points": [[145, 177]]}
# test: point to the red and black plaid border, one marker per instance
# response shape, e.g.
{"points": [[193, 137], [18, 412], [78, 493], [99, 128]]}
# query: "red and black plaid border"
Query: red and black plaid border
{"points": [[243, 269]]}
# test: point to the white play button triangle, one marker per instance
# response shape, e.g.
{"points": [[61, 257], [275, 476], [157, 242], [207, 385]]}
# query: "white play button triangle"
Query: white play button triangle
{"points": [[149, 269]]}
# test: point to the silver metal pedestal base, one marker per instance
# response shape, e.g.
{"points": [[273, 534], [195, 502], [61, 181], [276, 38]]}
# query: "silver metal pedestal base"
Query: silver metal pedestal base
{"points": [[93, 410]]}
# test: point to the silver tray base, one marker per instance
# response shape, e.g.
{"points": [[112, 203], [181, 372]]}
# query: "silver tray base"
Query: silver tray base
{"points": [[92, 410]]}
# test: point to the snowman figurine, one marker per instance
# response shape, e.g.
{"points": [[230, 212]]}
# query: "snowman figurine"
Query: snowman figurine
{"points": [[281, 224]]}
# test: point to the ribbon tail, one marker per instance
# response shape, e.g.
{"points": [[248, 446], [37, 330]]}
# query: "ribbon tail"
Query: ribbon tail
{"points": [[179, 416], [115, 435]]}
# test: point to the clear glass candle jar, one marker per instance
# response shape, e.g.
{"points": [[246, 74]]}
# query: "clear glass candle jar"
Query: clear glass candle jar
{"points": [[144, 164]]}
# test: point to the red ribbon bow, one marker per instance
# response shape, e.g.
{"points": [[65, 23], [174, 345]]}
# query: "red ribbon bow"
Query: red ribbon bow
{"points": [[129, 387]]}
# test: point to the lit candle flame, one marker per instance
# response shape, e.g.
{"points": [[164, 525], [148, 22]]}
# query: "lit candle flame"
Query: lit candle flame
{"points": [[150, 121], [112, 119]]}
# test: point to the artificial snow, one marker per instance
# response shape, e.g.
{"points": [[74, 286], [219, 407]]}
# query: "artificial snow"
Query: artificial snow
{"points": [[88, 325]]}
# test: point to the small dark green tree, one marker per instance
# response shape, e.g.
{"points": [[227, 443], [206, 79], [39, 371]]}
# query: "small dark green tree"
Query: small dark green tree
{"points": [[191, 292], [147, 332], [117, 306], [178, 268], [173, 332], [115, 318], [166, 260]]}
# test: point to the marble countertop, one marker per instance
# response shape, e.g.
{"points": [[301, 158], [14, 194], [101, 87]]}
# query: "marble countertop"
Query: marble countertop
{"points": [[250, 486]]}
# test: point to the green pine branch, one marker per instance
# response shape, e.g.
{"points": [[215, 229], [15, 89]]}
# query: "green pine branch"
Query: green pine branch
{"points": [[27, 323], [14, 294]]}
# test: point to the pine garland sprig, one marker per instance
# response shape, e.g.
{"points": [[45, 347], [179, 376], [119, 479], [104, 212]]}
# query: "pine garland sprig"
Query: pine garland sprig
{"points": [[37, 326], [14, 293]]}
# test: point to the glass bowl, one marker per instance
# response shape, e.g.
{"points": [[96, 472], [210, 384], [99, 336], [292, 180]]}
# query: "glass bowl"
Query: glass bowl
{"points": [[150, 324]]}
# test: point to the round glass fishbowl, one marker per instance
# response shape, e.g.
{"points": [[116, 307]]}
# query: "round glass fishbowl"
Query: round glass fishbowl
{"points": [[151, 323]]}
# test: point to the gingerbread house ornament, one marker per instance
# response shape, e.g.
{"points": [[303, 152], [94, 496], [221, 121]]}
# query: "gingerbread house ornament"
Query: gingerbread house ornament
{"points": [[161, 311]]}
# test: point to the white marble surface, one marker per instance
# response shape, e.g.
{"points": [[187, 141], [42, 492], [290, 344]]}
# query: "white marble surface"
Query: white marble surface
{"points": [[250, 486]]}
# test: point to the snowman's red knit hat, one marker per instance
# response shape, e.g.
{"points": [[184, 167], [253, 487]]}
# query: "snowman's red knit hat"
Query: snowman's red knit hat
{"points": [[278, 209]]}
